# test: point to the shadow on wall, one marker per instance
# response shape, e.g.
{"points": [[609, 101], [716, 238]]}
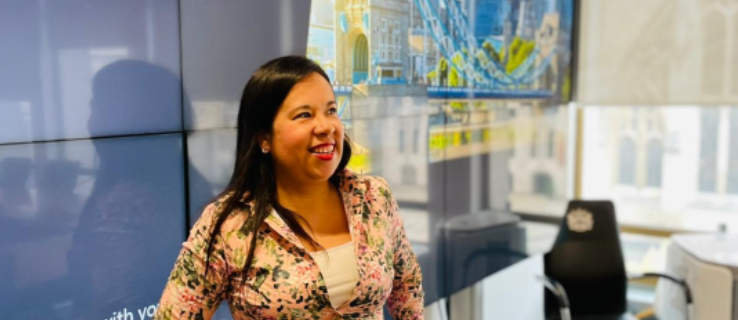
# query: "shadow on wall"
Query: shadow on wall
{"points": [[123, 248]]}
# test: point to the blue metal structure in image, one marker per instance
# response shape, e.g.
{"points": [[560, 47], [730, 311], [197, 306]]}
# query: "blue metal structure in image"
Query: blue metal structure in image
{"points": [[477, 66]]}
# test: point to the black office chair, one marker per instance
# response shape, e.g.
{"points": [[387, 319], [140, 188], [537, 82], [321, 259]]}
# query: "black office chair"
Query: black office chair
{"points": [[586, 264]]}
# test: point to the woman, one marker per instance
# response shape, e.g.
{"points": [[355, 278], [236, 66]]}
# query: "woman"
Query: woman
{"points": [[295, 235]]}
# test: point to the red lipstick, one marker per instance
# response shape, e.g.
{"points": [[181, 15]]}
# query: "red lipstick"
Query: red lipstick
{"points": [[325, 157]]}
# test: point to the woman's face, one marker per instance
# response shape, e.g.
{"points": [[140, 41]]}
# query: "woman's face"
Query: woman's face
{"points": [[307, 135]]}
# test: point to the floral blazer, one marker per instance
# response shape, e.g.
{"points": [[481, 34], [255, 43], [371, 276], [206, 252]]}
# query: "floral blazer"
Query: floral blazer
{"points": [[284, 281]]}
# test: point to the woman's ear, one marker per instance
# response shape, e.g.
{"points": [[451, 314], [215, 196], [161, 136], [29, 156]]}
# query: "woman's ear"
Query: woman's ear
{"points": [[264, 143]]}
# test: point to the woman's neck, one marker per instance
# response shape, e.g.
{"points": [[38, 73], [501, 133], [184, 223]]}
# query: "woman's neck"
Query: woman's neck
{"points": [[303, 196]]}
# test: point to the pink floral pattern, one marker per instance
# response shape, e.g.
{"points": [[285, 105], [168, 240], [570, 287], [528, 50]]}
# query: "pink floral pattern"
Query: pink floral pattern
{"points": [[284, 281]]}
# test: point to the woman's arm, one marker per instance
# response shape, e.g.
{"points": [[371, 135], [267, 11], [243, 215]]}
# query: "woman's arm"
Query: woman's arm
{"points": [[188, 294], [406, 299]]}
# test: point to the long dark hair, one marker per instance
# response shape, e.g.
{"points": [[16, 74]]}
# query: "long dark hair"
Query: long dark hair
{"points": [[253, 174]]}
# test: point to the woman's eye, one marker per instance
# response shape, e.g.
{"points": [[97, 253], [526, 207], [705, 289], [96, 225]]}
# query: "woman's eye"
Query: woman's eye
{"points": [[332, 111], [303, 115]]}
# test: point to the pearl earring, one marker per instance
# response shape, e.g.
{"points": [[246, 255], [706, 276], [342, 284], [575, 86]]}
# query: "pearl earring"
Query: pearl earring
{"points": [[264, 150]]}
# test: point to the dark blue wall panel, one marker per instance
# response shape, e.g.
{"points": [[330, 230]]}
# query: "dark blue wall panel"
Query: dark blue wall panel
{"points": [[224, 42], [212, 154], [88, 227], [54, 78]]}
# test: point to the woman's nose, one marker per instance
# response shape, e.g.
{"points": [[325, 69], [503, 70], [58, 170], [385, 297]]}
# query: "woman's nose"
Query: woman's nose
{"points": [[323, 126]]}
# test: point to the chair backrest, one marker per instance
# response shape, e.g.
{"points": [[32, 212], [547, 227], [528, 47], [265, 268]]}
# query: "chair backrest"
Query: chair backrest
{"points": [[587, 260]]}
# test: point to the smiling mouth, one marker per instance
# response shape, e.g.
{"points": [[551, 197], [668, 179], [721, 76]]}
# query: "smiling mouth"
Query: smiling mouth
{"points": [[323, 149]]}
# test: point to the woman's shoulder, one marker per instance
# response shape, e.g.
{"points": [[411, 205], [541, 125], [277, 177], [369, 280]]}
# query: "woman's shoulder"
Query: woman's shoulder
{"points": [[364, 182], [371, 190], [215, 211], [230, 240]]}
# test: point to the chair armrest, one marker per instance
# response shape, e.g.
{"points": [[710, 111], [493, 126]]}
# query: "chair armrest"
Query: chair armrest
{"points": [[560, 293], [681, 282]]}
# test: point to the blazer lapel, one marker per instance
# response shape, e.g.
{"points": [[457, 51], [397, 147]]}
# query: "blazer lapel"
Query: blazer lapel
{"points": [[275, 222]]}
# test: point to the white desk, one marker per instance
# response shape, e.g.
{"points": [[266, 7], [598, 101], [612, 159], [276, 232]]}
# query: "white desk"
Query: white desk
{"points": [[515, 292]]}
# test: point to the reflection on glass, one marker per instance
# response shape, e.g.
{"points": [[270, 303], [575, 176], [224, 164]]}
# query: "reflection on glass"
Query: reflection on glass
{"points": [[494, 161], [428, 88], [538, 166]]}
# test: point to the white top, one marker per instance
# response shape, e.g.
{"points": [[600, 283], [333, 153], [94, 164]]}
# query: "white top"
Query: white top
{"points": [[339, 271]]}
